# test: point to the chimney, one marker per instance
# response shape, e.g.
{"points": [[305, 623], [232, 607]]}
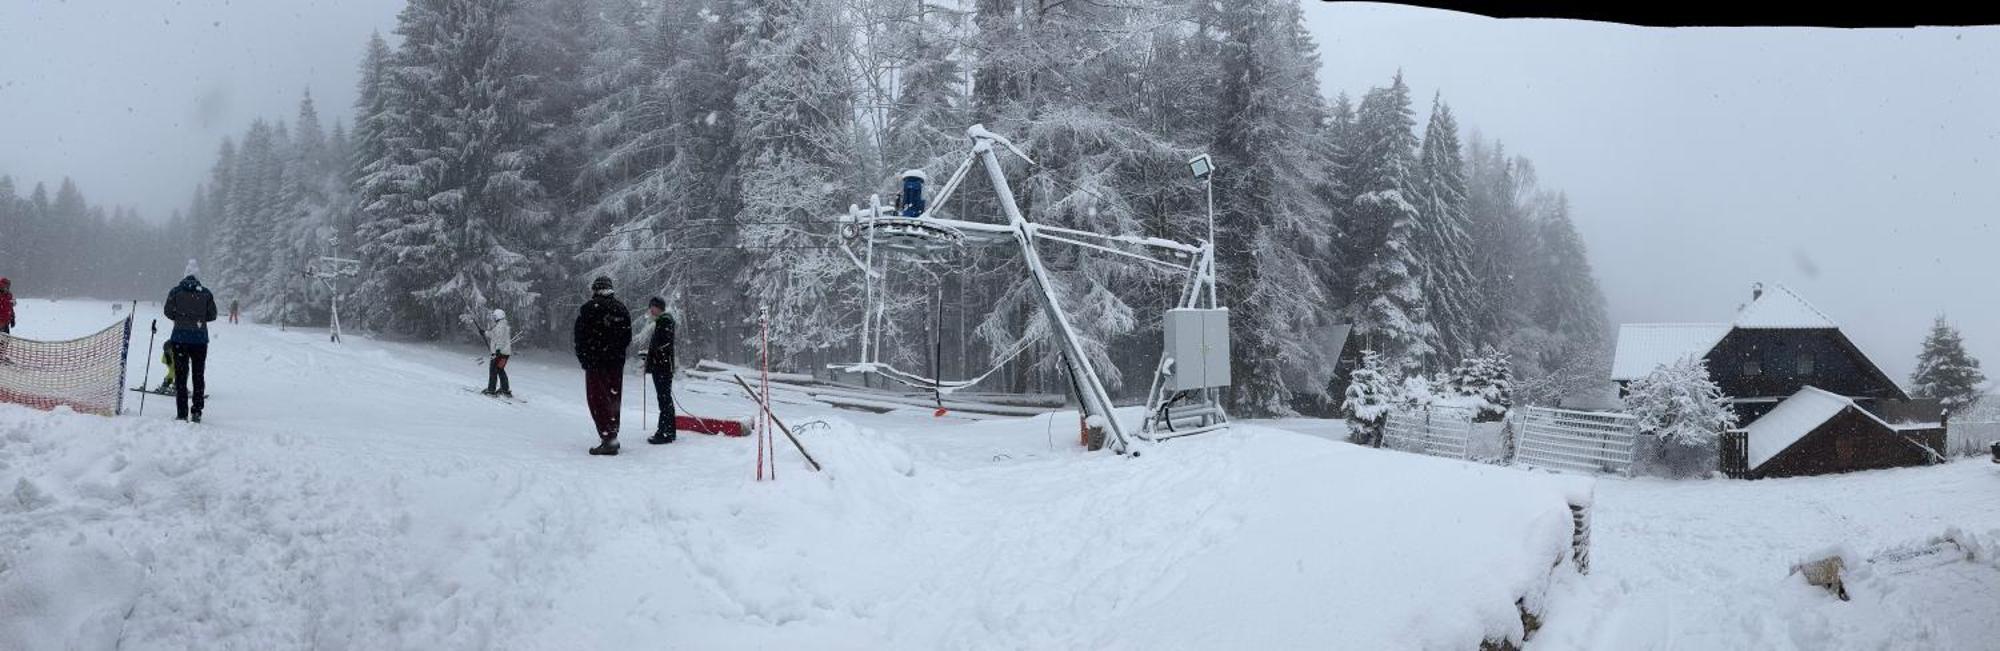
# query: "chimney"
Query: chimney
{"points": [[1756, 291]]}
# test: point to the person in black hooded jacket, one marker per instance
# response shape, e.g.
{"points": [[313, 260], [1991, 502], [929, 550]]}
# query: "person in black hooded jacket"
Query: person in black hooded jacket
{"points": [[658, 338], [603, 330], [191, 307]]}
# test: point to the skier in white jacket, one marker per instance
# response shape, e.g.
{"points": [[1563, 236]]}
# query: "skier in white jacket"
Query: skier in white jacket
{"points": [[500, 339]]}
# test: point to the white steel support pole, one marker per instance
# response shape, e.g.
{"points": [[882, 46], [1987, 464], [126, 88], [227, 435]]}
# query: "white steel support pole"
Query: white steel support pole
{"points": [[1210, 182], [868, 279], [1095, 400]]}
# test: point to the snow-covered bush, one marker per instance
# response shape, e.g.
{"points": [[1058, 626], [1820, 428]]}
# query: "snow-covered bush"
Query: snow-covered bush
{"points": [[1484, 382], [1372, 390], [1683, 414]]}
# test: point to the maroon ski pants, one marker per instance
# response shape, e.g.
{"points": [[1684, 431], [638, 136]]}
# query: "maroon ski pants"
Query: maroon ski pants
{"points": [[601, 387]]}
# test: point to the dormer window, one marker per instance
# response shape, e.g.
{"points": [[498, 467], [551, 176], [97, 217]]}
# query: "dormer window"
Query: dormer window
{"points": [[1806, 364], [1751, 368]]}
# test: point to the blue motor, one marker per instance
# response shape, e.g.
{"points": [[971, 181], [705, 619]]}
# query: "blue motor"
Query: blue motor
{"points": [[911, 202]]}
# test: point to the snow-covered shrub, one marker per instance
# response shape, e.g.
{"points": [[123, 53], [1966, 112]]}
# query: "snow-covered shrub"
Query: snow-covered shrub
{"points": [[1484, 382], [1372, 390], [1683, 414]]}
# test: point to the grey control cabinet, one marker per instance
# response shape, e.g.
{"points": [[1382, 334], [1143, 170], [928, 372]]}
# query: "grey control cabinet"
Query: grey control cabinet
{"points": [[1198, 348]]}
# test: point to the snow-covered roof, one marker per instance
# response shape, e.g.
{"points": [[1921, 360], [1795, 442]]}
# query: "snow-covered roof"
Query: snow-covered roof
{"points": [[1643, 347], [1790, 421], [1781, 308]]}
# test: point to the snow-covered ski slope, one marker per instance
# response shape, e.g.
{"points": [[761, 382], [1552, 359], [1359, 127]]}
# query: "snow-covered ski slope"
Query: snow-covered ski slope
{"points": [[355, 496]]}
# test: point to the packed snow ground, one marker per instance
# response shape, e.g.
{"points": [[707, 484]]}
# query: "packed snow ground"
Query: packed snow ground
{"points": [[359, 495], [1706, 564]]}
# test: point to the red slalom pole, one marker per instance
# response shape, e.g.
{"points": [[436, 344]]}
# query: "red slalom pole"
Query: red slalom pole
{"points": [[764, 339]]}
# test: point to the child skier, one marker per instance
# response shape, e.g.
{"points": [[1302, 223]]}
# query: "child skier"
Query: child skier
{"points": [[499, 339]]}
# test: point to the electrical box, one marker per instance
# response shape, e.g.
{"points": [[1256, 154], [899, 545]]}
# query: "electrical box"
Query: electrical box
{"points": [[1198, 348]]}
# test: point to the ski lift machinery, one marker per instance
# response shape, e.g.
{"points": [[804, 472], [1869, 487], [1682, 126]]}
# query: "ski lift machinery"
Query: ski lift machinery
{"points": [[1184, 398], [326, 270]]}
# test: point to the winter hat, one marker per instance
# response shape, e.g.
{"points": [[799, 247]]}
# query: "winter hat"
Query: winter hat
{"points": [[6, 284], [499, 314], [656, 302], [602, 285]]}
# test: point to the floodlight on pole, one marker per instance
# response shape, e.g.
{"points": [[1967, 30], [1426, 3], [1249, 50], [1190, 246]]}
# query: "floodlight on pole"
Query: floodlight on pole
{"points": [[1204, 169]]}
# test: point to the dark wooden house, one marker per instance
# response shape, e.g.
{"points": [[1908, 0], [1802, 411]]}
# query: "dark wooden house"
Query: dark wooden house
{"points": [[1835, 409]]}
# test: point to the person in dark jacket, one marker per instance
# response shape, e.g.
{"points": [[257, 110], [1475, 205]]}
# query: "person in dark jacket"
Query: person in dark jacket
{"points": [[658, 337], [191, 307], [6, 306], [603, 330]]}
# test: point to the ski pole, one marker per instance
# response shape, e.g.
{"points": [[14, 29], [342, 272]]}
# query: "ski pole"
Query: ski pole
{"points": [[763, 403], [148, 377]]}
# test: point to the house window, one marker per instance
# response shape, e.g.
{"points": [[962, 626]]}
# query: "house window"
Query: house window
{"points": [[1806, 363], [1752, 368]]}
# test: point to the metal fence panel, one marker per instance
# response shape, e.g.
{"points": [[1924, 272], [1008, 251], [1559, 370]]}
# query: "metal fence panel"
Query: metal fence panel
{"points": [[1580, 441], [1435, 430]]}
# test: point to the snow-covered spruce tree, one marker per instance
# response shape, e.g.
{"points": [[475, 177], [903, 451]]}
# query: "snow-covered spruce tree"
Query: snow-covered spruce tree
{"points": [[449, 215], [296, 211], [1683, 413], [1389, 309], [1485, 380], [1944, 370], [1373, 389], [240, 255], [1272, 216], [1444, 241], [659, 186], [796, 109]]}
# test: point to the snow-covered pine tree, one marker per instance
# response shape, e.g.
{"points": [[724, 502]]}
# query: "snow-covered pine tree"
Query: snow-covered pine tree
{"points": [[796, 109], [234, 261], [1389, 308], [1569, 302], [1487, 379], [451, 218], [1945, 370], [303, 220], [1373, 389], [370, 102], [1444, 241], [1272, 215], [660, 183], [1684, 412]]}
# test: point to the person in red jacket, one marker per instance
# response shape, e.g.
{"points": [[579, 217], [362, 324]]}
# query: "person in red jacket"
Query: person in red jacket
{"points": [[6, 306]]}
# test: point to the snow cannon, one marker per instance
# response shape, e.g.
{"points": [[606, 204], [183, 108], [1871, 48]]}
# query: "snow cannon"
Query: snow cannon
{"points": [[722, 426], [911, 202]]}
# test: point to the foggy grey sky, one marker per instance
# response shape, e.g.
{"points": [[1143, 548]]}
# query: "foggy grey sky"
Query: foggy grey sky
{"points": [[1861, 168], [131, 97]]}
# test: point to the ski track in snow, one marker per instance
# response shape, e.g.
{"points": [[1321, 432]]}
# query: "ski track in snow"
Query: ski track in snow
{"points": [[355, 496]]}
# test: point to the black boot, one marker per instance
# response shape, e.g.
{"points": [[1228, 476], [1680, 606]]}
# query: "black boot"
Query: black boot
{"points": [[196, 417], [661, 438], [608, 448]]}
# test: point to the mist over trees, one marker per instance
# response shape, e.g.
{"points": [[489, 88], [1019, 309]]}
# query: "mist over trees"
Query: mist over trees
{"points": [[57, 244], [504, 152]]}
